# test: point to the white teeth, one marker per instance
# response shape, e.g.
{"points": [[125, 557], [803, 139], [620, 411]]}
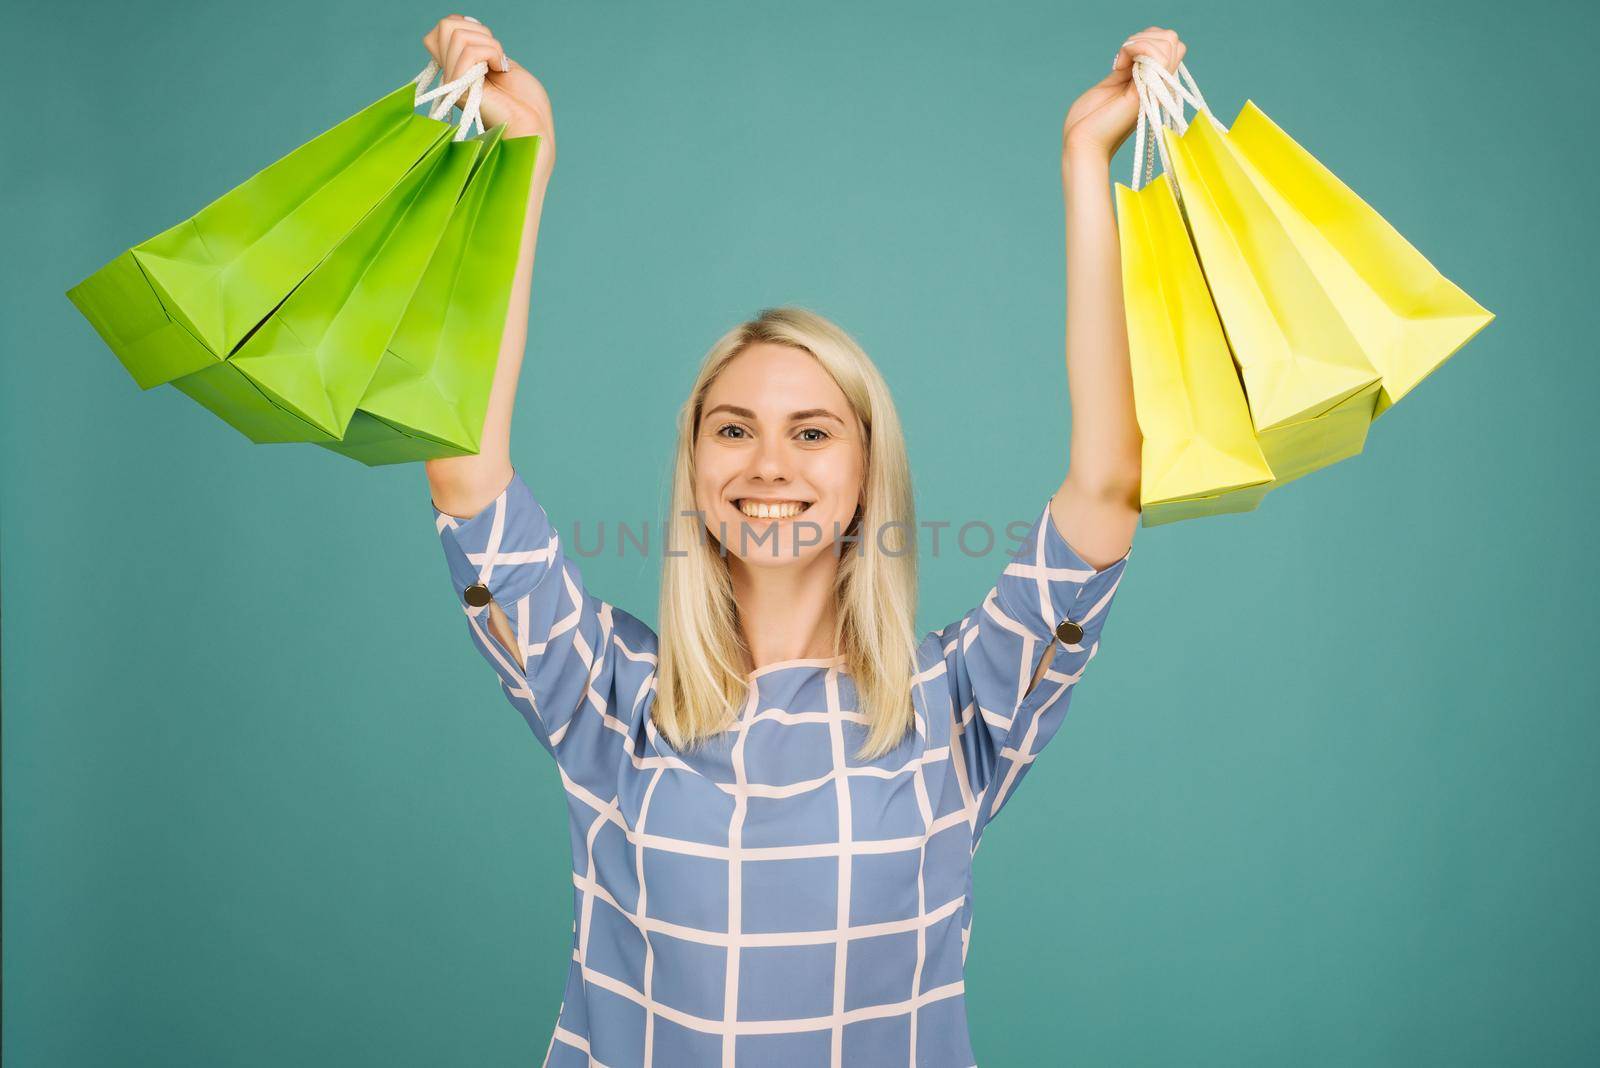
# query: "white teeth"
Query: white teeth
{"points": [[772, 509]]}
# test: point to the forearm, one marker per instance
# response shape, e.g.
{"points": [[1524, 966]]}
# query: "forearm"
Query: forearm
{"points": [[465, 485], [1105, 439]]}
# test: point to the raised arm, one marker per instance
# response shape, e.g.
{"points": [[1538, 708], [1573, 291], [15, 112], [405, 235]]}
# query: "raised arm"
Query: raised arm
{"points": [[463, 486], [1097, 507]]}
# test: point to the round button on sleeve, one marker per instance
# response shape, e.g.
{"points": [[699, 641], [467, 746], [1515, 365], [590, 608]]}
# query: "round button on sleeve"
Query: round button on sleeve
{"points": [[1069, 632], [477, 595]]}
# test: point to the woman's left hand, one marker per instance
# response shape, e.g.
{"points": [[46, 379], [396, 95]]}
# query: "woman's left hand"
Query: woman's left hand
{"points": [[511, 94], [1102, 118]]}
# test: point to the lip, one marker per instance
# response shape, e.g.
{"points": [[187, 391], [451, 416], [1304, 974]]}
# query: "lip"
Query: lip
{"points": [[735, 503]]}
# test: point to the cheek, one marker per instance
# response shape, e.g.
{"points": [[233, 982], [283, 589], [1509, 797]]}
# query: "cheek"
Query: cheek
{"points": [[841, 473], [709, 478]]}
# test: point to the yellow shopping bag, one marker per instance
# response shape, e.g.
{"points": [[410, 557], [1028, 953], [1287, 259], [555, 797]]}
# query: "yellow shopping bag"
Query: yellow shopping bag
{"points": [[1315, 290], [1199, 455], [1407, 317], [1310, 386]]}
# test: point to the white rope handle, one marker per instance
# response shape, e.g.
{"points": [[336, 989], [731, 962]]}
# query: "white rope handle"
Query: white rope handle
{"points": [[1160, 104], [448, 94], [1173, 90], [1162, 95], [1147, 135]]}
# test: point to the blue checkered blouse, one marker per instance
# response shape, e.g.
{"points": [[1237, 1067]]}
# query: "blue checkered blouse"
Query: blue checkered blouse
{"points": [[770, 900]]}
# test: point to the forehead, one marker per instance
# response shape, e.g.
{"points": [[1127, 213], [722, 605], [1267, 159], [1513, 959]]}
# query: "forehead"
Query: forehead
{"points": [[773, 380]]}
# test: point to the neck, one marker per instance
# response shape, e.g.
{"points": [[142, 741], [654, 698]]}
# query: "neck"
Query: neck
{"points": [[786, 613]]}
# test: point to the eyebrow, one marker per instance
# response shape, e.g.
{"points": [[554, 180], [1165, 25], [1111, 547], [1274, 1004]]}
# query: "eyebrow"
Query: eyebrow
{"points": [[807, 413]]}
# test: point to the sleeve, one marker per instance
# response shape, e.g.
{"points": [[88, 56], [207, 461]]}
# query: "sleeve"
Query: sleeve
{"points": [[1047, 595], [563, 678]]}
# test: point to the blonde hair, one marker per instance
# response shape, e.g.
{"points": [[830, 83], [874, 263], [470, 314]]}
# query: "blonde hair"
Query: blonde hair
{"points": [[702, 672]]}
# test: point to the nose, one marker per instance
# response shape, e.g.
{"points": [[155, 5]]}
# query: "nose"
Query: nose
{"points": [[770, 463]]}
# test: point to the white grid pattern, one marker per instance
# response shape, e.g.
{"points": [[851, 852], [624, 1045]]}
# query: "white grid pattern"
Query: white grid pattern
{"points": [[841, 888]]}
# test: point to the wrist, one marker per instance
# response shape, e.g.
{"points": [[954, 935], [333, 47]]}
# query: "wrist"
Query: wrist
{"points": [[521, 126], [1079, 157], [537, 188], [522, 121]]}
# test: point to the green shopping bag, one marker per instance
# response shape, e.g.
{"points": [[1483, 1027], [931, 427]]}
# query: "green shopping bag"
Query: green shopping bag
{"points": [[300, 375], [430, 394], [184, 299], [274, 304]]}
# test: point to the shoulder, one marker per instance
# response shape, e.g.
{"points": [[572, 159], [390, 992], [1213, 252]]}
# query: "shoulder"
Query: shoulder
{"points": [[634, 640], [930, 686], [934, 646], [941, 644]]}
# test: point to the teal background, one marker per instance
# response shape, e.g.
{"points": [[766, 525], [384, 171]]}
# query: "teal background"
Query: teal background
{"points": [[1327, 798]]}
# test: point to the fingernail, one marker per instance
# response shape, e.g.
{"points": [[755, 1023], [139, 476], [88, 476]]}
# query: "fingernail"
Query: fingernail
{"points": [[505, 64], [469, 18]]}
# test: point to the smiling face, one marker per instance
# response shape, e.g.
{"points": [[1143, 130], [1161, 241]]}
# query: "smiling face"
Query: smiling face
{"points": [[779, 457]]}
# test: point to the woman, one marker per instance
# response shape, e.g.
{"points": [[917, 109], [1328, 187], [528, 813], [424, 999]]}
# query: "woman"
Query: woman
{"points": [[774, 806]]}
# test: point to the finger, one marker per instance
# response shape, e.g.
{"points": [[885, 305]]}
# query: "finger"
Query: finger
{"points": [[1126, 53], [1140, 38], [453, 67], [476, 52], [463, 22], [501, 64], [1169, 39], [448, 28], [1157, 48], [434, 39], [1149, 33], [460, 43], [1143, 46], [1175, 45], [499, 61], [1154, 38], [470, 33], [453, 25]]}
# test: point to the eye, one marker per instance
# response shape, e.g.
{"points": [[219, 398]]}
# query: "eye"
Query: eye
{"points": [[812, 435], [732, 431]]}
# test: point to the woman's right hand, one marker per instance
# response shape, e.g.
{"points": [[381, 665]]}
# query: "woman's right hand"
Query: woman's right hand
{"points": [[511, 95]]}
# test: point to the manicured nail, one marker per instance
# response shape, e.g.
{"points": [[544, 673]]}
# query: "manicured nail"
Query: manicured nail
{"points": [[505, 64], [469, 18]]}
